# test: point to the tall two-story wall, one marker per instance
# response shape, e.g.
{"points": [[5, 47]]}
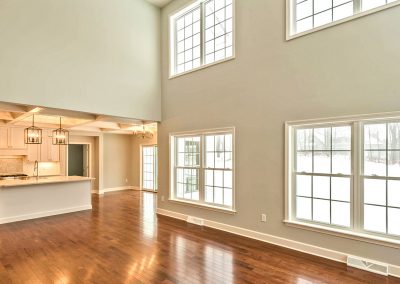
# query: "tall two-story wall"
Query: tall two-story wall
{"points": [[95, 56], [348, 69]]}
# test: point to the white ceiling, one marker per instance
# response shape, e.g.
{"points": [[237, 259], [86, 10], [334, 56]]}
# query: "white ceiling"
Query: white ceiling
{"points": [[159, 3]]}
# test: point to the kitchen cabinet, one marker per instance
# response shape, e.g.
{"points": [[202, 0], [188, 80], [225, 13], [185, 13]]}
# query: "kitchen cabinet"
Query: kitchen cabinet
{"points": [[45, 152], [12, 138]]}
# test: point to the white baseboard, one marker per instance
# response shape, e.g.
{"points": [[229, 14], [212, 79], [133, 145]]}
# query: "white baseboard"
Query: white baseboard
{"points": [[120, 188], [44, 214], [294, 245]]}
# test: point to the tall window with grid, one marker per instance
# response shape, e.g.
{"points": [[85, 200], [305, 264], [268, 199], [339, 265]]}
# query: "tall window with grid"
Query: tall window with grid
{"points": [[323, 175], [202, 169], [201, 34], [381, 178], [306, 15]]}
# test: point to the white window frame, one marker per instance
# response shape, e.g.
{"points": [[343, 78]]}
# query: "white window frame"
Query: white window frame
{"points": [[358, 13], [155, 167], [172, 169], [356, 230], [172, 38]]}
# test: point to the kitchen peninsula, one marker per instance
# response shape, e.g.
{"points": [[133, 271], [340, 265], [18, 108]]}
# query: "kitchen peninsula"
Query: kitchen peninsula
{"points": [[43, 196]]}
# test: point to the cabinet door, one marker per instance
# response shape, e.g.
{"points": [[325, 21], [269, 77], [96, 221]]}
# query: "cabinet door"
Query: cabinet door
{"points": [[33, 152], [44, 153], [3, 138], [16, 135]]}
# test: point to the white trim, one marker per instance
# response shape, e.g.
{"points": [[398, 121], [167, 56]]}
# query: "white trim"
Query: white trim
{"points": [[282, 242], [204, 206], [290, 36], [119, 188], [372, 239], [44, 214], [204, 66]]}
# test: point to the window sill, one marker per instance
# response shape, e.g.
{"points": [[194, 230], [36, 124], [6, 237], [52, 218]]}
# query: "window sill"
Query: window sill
{"points": [[202, 67], [346, 234], [203, 206]]}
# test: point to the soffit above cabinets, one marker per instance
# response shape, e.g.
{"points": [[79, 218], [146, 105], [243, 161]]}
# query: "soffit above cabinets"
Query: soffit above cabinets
{"points": [[21, 115]]}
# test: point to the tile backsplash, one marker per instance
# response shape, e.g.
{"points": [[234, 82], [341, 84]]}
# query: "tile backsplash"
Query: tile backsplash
{"points": [[11, 165]]}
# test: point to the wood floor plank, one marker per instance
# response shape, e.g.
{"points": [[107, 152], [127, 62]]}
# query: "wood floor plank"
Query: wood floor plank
{"points": [[123, 241]]}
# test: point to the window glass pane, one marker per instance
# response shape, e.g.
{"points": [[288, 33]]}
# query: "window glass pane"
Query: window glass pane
{"points": [[322, 139], [218, 178], [322, 162], [209, 194], [209, 178], [304, 25], [341, 162], [341, 189], [375, 163], [370, 4], [304, 139], [228, 160], [303, 208], [341, 213], [341, 138], [321, 187], [321, 210], [228, 142], [394, 221], [322, 5], [375, 191], [304, 162], [375, 137], [304, 9], [303, 185], [343, 11], [393, 163], [375, 218], [218, 195], [228, 196], [394, 193], [394, 136], [228, 180], [322, 18], [210, 160]]}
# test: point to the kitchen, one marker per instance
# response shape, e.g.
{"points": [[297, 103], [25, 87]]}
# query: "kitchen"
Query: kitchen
{"points": [[36, 145]]}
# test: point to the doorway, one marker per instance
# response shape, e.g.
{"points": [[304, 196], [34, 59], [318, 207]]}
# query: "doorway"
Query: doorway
{"points": [[78, 160], [149, 167]]}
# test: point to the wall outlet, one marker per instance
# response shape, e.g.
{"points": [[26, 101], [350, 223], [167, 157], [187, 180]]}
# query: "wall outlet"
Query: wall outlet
{"points": [[263, 217]]}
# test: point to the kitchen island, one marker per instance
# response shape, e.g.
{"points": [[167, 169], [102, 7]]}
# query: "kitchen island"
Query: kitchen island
{"points": [[44, 196]]}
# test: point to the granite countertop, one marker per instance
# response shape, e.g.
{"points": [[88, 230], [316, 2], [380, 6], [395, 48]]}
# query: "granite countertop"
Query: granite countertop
{"points": [[42, 180]]}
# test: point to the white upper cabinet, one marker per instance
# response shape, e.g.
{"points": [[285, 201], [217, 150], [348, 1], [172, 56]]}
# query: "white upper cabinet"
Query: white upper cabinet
{"points": [[12, 138]]}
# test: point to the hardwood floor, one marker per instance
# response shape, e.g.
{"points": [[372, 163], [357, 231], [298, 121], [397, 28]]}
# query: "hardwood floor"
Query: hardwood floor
{"points": [[123, 241]]}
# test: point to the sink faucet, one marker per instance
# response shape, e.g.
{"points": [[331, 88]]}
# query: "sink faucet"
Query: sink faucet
{"points": [[36, 169]]}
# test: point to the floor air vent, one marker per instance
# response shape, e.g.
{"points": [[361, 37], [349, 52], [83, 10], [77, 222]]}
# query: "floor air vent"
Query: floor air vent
{"points": [[194, 220], [368, 265]]}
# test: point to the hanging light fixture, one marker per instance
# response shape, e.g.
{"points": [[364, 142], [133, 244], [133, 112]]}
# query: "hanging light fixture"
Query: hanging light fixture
{"points": [[33, 135], [142, 132], [60, 136]]}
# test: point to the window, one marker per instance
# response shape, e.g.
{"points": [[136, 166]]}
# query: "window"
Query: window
{"points": [[202, 168], [345, 176], [306, 15], [149, 167], [201, 34]]}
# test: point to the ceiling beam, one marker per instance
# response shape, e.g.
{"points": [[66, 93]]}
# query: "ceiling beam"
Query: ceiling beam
{"points": [[21, 116]]}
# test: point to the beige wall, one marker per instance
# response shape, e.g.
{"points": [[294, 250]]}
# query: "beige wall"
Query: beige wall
{"points": [[345, 70], [136, 145], [97, 56], [117, 155]]}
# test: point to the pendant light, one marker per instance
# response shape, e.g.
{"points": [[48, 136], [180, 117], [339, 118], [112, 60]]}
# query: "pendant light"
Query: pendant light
{"points": [[143, 132], [33, 135], [60, 136]]}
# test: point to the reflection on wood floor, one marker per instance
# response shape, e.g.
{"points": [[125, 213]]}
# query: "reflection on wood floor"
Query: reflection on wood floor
{"points": [[123, 241]]}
